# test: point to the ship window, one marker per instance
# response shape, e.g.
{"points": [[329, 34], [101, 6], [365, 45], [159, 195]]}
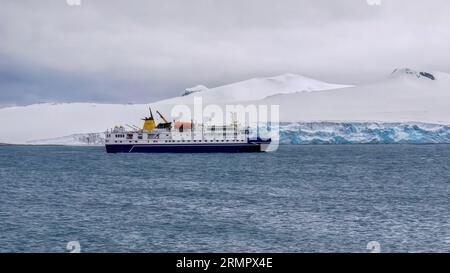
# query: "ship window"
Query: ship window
{"points": [[115, 141], [130, 136], [120, 141], [139, 136]]}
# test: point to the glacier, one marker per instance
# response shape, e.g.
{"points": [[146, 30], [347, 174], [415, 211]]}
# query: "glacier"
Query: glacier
{"points": [[316, 133], [90, 139], [363, 133]]}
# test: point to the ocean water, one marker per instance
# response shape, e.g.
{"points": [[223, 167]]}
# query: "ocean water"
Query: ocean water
{"points": [[334, 198]]}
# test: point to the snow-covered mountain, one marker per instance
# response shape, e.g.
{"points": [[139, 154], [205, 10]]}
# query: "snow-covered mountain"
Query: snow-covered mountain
{"points": [[254, 89], [407, 72], [403, 97]]}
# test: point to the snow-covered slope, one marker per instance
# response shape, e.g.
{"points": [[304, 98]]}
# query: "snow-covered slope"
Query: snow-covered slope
{"points": [[45, 121], [254, 89], [402, 97]]}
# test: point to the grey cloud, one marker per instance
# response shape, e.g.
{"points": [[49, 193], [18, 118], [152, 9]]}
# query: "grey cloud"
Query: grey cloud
{"points": [[131, 51]]}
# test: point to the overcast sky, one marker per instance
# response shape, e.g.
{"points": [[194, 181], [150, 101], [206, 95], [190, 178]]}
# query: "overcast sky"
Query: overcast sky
{"points": [[142, 51]]}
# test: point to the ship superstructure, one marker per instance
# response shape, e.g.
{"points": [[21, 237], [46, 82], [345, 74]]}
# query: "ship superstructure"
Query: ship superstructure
{"points": [[182, 137]]}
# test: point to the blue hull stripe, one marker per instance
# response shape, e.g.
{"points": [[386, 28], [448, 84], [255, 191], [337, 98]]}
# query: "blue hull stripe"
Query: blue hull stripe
{"points": [[184, 148]]}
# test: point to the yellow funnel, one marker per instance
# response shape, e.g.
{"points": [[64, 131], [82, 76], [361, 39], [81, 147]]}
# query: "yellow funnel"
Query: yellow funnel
{"points": [[149, 123]]}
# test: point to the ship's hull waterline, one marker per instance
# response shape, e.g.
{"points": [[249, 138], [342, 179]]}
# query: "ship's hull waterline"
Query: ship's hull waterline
{"points": [[185, 148]]}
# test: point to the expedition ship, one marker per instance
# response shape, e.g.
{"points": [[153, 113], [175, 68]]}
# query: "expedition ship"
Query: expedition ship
{"points": [[182, 137]]}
